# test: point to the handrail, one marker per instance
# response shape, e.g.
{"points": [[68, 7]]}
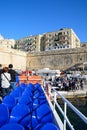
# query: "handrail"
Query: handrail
{"points": [[84, 118], [66, 102]]}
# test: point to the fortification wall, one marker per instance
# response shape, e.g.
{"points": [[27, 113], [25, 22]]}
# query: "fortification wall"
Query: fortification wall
{"points": [[11, 56], [58, 59]]}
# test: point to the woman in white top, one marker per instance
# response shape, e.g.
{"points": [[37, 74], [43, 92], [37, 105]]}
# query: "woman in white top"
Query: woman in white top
{"points": [[5, 82]]}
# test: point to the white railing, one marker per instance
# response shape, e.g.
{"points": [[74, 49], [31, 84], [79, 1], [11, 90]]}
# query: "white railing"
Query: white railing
{"points": [[54, 95]]}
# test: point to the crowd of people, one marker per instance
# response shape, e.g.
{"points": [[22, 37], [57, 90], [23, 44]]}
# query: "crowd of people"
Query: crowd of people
{"points": [[69, 84], [7, 79], [65, 83]]}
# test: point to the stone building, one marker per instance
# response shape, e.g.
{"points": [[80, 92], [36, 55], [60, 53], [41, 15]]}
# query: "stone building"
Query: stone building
{"points": [[29, 44], [8, 43], [61, 39]]}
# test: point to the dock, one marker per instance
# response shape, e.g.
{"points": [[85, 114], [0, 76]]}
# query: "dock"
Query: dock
{"points": [[75, 93]]}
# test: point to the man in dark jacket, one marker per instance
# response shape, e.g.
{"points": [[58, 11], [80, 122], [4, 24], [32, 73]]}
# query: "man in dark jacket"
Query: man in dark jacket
{"points": [[13, 74]]}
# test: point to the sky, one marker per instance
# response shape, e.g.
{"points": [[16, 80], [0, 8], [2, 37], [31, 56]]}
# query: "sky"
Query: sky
{"points": [[22, 18]]}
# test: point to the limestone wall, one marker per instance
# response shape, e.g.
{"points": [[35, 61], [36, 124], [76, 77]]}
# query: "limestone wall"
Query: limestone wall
{"points": [[59, 59], [11, 56]]}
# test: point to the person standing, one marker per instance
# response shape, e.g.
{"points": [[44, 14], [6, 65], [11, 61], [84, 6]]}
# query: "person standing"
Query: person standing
{"points": [[5, 81], [81, 84], [13, 74]]}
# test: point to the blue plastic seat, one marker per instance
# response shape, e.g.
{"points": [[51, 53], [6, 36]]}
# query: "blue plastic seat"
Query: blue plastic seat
{"points": [[42, 114], [12, 126], [37, 86], [25, 99], [4, 114], [20, 114], [16, 93], [28, 92], [30, 86], [22, 86], [37, 102], [39, 95], [36, 94], [9, 101], [47, 126]]}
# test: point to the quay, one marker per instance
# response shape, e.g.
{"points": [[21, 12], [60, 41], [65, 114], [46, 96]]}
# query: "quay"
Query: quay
{"points": [[73, 94]]}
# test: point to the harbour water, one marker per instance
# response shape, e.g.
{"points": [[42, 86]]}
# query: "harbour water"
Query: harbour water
{"points": [[81, 105]]}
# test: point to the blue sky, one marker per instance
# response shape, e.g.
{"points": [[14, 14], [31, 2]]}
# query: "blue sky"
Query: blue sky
{"points": [[21, 18]]}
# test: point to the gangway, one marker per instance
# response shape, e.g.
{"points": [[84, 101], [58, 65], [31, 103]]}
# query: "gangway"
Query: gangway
{"points": [[52, 96]]}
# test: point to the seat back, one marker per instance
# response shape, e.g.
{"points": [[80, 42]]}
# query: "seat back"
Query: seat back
{"points": [[20, 114], [42, 114], [4, 114], [47, 126], [9, 101], [12, 126]]}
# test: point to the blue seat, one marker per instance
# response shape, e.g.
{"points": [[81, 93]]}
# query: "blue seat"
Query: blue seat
{"points": [[42, 114], [22, 86], [25, 99], [39, 95], [37, 102], [47, 126], [28, 92], [38, 91], [37, 86], [9, 101], [20, 114], [16, 93], [36, 94], [12, 126], [4, 114], [30, 86]]}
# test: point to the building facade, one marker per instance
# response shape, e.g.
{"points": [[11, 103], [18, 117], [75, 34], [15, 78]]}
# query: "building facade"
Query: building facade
{"points": [[61, 39], [8, 43], [29, 44]]}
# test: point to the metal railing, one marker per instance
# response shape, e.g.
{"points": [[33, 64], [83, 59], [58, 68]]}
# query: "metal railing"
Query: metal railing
{"points": [[54, 95]]}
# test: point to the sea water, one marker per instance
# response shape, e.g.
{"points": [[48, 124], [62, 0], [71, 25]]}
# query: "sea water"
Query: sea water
{"points": [[81, 105]]}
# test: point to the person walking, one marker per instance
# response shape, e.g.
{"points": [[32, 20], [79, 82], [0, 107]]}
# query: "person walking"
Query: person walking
{"points": [[13, 74], [81, 84], [5, 82]]}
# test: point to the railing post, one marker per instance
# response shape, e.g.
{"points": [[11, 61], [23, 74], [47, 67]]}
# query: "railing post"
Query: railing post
{"points": [[65, 111], [54, 101]]}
